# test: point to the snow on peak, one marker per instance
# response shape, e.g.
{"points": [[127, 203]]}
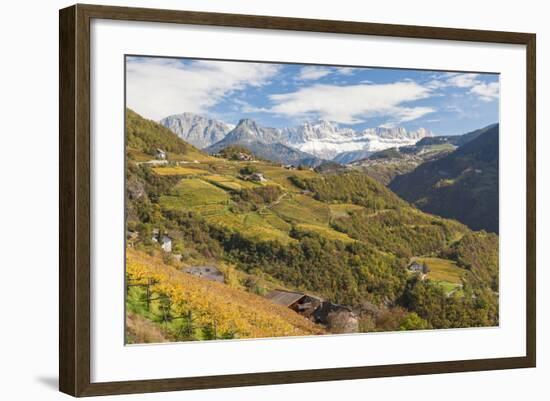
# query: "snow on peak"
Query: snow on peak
{"points": [[321, 138], [326, 140]]}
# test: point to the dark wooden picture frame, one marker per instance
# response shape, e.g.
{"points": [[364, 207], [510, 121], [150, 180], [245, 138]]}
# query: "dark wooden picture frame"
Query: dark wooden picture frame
{"points": [[74, 202]]}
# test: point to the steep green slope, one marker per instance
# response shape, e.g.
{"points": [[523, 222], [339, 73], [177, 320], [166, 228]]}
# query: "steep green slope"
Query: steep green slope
{"points": [[462, 185], [144, 137]]}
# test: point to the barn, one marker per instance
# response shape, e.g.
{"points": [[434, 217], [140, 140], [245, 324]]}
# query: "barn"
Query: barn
{"points": [[337, 318], [304, 304]]}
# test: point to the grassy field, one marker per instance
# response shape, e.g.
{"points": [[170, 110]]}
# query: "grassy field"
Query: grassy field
{"points": [[190, 192], [326, 232], [281, 175], [442, 270], [253, 225], [445, 273], [303, 209], [229, 183], [440, 148], [451, 287], [225, 167], [209, 210], [137, 156], [178, 170], [343, 209], [275, 221], [192, 155]]}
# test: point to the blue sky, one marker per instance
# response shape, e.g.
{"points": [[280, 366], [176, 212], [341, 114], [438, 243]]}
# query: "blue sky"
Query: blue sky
{"points": [[278, 95]]}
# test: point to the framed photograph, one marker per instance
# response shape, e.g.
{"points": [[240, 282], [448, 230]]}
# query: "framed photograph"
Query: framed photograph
{"points": [[250, 200]]}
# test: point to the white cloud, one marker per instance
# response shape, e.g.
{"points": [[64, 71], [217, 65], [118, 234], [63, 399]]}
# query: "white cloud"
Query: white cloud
{"points": [[436, 84], [345, 70], [453, 79], [353, 103], [312, 73], [486, 92], [404, 114], [408, 114], [157, 87], [245, 107], [463, 80]]}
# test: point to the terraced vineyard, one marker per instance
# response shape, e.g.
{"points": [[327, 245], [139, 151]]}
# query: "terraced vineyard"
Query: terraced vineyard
{"points": [[237, 314]]}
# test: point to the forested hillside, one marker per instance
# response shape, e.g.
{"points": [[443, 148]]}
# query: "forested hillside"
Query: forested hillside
{"points": [[341, 236]]}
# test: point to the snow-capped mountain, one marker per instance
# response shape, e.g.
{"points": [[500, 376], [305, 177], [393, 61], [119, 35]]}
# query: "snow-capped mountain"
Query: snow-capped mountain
{"points": [[198, 130], [321, 139], [266, 143], [317, 131], [325, 140]]}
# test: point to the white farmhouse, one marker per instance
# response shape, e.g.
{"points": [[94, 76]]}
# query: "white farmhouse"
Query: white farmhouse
{"points": [[166, 243], [160, 154]]}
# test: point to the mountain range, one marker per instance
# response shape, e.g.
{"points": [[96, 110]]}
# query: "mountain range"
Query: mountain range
{"points": [[310, 141], [330, 142], [197, 130], [386, 164], [264, 143]]}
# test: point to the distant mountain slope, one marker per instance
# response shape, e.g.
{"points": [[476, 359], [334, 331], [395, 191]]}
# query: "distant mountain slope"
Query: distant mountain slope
{"points": [[462, 185], [352, 156], [264, 143], [386, 164], [456, 140], [198, 130]]}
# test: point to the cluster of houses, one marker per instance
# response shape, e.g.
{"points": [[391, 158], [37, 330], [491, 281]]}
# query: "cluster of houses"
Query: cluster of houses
{"points": [[241, 156], [244, 157]]}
